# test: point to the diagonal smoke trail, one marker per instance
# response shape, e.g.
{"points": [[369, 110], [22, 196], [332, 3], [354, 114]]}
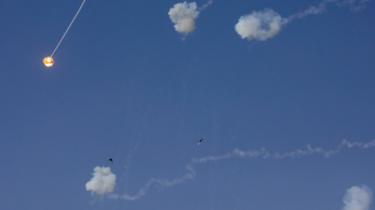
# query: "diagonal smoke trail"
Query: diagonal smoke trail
{"points": [[206, 5], [321, 7], [68, 28], [244, 154]]}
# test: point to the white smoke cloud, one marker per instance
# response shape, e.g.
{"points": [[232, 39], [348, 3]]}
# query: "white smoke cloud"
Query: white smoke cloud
{"points": [[265, 24], [183, 15], [357, 198], [259, 25], [103, 181]]}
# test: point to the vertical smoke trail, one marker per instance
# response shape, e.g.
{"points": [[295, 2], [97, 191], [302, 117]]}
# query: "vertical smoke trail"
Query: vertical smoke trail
{"points": [[68, 28], [244, 154]]}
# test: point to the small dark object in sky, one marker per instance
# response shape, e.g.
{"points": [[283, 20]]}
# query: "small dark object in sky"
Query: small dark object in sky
{"points": [[110, 160], [201, 141]]}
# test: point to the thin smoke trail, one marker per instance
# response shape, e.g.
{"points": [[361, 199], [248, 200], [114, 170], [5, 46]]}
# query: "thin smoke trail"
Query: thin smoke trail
{"points": [[298, 153], [244, 154], [68, 28], [311, 10], [321, 7], [162, 183], [131, 153], [206, 5]]}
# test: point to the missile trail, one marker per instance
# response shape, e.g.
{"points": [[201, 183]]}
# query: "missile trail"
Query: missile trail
{"points": [[68, 28], [263, 154]]}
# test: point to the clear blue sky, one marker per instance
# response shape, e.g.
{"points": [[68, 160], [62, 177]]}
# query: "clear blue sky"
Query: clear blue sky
{"points": [[124, 77]]}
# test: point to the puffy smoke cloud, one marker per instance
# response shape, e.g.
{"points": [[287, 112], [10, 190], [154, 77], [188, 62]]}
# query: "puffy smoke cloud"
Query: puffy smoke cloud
{"points": [[263, 25], [183, 15], [260, 25], [103, 181], [357, 198]]}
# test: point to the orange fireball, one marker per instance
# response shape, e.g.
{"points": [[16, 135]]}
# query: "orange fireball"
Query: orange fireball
{"points": [[48, 62]]}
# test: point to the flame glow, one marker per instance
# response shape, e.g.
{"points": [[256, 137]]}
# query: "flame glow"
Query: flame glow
{"points": [[48, 62]]}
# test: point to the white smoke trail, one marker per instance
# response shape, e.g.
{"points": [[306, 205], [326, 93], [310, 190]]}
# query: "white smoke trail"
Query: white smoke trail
{"points": [[321, 7], [162, 183], [298, 153], [244, 154], [68, 28], [206, 5], [312, 10]]}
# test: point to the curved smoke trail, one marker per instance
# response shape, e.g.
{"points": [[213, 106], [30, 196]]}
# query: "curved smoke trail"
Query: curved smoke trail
{"points": [[244, 154]]}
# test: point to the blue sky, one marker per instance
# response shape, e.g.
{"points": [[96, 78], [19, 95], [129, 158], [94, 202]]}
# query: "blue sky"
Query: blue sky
{"points": [[126, 85]]}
